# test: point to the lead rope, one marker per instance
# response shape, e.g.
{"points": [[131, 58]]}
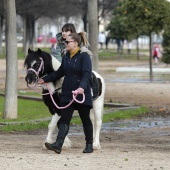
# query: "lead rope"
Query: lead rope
{"points": [[75, 93]]}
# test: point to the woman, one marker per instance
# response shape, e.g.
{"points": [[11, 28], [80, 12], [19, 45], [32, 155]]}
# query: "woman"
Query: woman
{"points": [[67, 29], [76, 68]]}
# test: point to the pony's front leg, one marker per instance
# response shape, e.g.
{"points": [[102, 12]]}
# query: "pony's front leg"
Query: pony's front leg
{"points": [[51, 128]]}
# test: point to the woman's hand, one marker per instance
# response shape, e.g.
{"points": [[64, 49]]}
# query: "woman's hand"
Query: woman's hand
{"points": [[80, 90], [41, 81]]}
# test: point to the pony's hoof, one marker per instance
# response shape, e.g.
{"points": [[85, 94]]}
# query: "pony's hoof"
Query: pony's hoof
{"points": [[67, 143], [96, 146], [44, 147]]}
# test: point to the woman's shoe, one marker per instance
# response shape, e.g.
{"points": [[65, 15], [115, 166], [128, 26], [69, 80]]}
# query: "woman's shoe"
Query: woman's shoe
{"points": [[54, 147], [89, 148]]}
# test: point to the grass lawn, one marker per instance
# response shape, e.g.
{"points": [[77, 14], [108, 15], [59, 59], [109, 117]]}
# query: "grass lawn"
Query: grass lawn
{"points": [[112, 54], [27, 110], [32, 110], [103, 55]]}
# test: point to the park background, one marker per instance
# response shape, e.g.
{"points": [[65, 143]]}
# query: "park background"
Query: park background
{"points": [[138, 141]]}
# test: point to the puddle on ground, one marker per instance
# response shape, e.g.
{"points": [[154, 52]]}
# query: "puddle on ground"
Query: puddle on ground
{"points": [[127, 125], [134, 125]]}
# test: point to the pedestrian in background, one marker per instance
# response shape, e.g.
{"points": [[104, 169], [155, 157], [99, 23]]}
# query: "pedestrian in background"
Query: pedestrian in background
{"points": [[129, 47], [101, 39], [107, 41], [156, 53]]}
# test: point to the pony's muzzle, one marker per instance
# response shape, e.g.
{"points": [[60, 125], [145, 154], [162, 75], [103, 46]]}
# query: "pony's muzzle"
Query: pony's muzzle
{"points": [[30, 78]]}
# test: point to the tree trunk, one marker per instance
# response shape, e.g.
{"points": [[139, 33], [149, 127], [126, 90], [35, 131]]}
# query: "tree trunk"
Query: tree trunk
{"points": [[10, 108], [1, 25], [150, 56], [85, 22], [137, 48], [32, 33], [93, 31], [26, 35]]}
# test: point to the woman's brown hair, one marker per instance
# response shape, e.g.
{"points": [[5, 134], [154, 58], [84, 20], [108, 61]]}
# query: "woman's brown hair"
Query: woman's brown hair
{"points": [[69, 27], [80, 38]]}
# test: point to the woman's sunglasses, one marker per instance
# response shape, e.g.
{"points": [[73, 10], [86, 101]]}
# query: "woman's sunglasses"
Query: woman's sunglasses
{"points": [[67, 42]]}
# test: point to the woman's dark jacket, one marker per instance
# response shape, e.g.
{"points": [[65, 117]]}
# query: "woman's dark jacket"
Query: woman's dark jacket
{"points": [[77, 71]]}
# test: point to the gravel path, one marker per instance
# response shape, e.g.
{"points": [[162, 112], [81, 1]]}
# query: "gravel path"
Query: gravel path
{"points": [[144, 149]]}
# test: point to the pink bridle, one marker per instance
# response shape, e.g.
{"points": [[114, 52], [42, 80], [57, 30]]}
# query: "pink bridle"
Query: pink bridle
{"points": [[37, 72], [75, 93]]}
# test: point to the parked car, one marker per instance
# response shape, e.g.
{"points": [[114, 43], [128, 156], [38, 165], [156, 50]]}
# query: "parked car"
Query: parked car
{"points": [[42, 38]]}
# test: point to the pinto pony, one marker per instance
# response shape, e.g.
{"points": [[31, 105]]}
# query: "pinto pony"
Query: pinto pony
{"points": [[38, 64]]}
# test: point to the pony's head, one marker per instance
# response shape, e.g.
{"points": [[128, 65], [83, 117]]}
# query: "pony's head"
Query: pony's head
{"points": [[35, 65]]}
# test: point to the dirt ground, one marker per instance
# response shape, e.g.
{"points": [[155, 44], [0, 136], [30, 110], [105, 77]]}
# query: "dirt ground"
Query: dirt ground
{"points": [[143, 149], [136, 150]]}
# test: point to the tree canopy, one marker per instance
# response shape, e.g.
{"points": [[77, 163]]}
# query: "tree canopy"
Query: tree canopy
{"points": [[147, 16], [140, 17], [118, 27], [166, 45]]}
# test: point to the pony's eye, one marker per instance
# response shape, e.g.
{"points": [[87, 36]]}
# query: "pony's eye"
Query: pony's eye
{"points": [[35, 65]]}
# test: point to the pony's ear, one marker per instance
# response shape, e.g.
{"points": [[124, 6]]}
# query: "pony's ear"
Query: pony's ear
{"points": [[39, 51], [29, 51]]}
